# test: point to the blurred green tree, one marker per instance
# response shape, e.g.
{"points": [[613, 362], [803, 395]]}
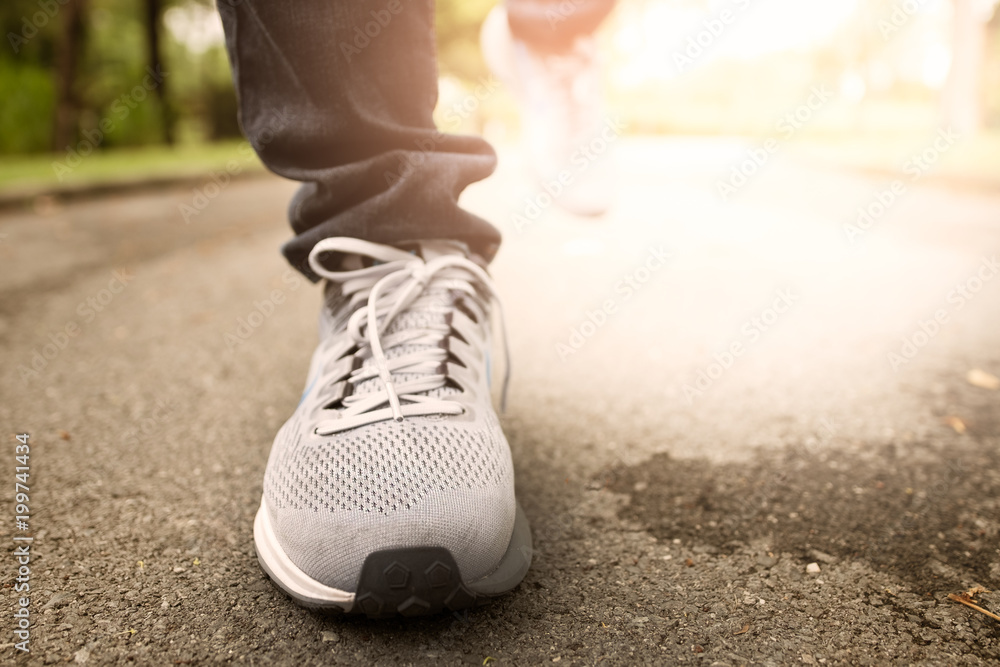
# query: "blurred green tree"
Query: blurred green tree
{"points": [[109, 71], [458, 23], [26, 84]]}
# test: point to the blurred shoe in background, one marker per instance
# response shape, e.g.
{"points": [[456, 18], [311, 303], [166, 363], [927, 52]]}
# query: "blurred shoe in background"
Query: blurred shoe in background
{"points": [[562, 113]]}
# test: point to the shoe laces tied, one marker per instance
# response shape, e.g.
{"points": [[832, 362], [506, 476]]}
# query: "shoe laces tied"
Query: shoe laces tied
{"points": [[395, 282]]}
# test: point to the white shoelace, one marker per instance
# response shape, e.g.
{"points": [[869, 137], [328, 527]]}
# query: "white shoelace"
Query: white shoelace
{"points": [[398, 281]]}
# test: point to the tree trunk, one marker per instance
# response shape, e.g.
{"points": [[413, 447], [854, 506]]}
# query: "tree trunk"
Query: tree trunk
{"points": [[68, 50], [154, 56]]}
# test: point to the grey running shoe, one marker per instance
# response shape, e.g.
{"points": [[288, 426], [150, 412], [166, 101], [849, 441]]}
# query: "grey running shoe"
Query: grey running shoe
{"points": [[390, 490]]}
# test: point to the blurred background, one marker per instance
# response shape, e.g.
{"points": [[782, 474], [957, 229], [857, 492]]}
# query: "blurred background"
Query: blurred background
{"points": [[897, 68], [814, 502]]}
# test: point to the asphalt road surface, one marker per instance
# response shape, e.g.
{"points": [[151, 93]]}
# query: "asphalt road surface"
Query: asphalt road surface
{"points": [[744, 433]]}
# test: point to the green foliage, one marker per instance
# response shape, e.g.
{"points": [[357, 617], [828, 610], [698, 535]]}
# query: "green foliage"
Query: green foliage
{"points": [[201, 85], [29, 32], [27, 172], [458, 23], [113, 83], [136, 117], [26, 112]]}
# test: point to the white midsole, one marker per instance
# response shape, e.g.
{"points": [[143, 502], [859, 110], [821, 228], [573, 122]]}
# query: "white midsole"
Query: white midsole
{"points": [[290, 576]]}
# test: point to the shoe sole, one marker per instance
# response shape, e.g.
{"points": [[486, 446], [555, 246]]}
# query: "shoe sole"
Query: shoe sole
{"points": [[414, 581]]}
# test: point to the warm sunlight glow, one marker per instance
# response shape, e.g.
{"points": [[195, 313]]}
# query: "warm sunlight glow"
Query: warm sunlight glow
{"points": [[662, 40]]}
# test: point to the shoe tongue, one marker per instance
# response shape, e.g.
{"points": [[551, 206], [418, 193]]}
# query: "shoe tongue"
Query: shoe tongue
{"points": [[428, 250]]}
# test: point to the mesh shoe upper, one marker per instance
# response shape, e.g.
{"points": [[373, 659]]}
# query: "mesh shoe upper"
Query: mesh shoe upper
{"points": [[350, 473]]}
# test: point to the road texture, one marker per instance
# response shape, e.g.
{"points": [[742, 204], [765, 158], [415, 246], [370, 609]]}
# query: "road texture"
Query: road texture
{"points": [[743, 434]]}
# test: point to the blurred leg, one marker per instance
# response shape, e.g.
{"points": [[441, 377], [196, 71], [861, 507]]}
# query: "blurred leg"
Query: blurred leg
{"points": [[545, 52], [339, 95], [551, 26]]}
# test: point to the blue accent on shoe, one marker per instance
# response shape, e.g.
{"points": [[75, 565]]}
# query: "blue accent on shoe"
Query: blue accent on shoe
{"points": [[308, 389]]}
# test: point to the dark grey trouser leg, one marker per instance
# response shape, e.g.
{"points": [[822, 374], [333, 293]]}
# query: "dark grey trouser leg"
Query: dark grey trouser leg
{"points": [[338, 94]]}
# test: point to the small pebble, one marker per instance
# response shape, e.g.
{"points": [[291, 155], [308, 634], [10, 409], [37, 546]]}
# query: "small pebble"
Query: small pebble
{"points": [[812, 568], [329, 636], [823, 557]]}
